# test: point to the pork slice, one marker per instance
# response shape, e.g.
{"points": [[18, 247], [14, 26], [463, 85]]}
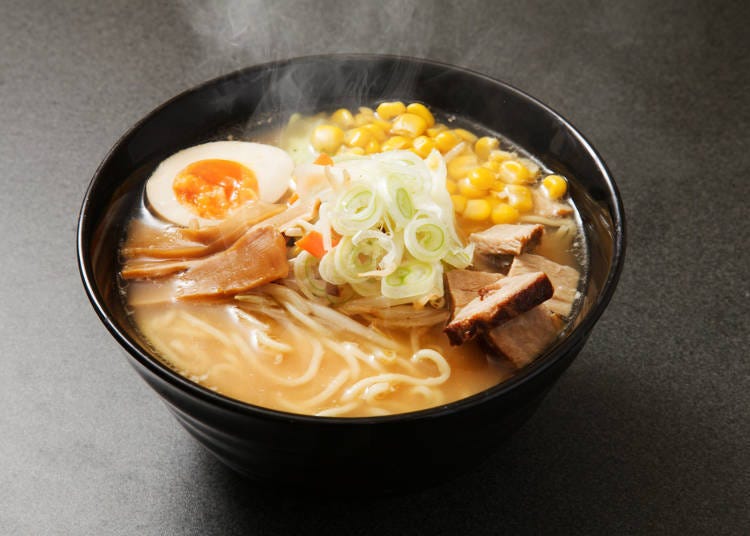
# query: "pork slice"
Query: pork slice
{"points": [[544, 206], [508, 298], [564, 279], [523, 338], [463, 286], [507, 238]]}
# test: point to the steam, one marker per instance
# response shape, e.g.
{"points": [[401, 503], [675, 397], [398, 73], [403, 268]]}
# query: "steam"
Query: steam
{"points": [[232, 34]]}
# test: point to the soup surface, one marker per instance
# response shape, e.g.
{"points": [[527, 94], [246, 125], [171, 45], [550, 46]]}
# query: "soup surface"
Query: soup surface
{"points": [[354, 263]]}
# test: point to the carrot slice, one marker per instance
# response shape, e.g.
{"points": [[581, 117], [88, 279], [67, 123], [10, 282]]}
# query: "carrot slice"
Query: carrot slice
{"points": [[312, 242], [323, 160]]}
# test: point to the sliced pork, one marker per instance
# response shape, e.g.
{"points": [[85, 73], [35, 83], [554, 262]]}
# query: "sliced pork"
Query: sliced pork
{"points": [[523, 338], [564, 279], [507, 239], [498, 303], [464, 285]]}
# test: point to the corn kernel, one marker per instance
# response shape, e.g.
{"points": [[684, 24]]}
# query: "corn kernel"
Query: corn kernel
{"points": [[531, 166], [477, 210], [327, 138], [504, 213], [377, 132], [514, 172], [423, 146], [421, 110], [465, 135], [437, 129], [395, 143], [408, 124], [382, 123], [446, 140], [484, 145], [470, 191], [360, 151], [343, 118], [372, 146], [496, 155], [481, 178], [389, 110], [555, 185], [459, 203], [357, 137], [498, 186], [492, 166], [519, 197], [460, 166], [451, 186]]}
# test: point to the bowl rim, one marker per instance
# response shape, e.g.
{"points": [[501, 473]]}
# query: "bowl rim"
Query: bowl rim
{"points": [[551, 356]]}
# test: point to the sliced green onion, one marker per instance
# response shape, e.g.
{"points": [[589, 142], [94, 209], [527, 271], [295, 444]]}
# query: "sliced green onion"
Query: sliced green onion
{"points": [[357, 209], [425, 239], [412, 278]]}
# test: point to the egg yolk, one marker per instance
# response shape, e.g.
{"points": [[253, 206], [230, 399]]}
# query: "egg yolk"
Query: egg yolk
{"points": [[211, 188]]}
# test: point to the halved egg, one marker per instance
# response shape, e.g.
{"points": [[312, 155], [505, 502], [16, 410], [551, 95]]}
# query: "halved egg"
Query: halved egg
{"points": [[205, 183]]}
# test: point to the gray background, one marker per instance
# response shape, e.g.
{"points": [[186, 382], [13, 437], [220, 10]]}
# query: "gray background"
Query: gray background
{"points": [[648, 432]]}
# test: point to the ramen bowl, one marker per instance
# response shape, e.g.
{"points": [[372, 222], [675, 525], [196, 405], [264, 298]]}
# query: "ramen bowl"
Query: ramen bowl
{"points": [[380, 453]]}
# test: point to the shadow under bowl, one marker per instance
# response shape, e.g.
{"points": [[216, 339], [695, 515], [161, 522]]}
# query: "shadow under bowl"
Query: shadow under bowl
{"points": [[388, 453]]}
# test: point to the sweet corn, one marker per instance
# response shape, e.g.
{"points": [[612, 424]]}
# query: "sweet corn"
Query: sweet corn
{"points": [[354, 150], [362, 119], [519, 197], [372, 146], [327, 138], [437, 129], [357, 137], [498, 186], [477, 210], [531, 166], [484, 145], [461, 165], [555, 185], [482, 178], [377, 132], [395, 143], [408, 124], [451, 186], [446, 140], [504, 213], [514, 172], [459, 203], [470, 191], [496, 155], [389, 110], [492, 166], [465, 135], [421, 110], [382, 123], [343, 118], [423, 146]]}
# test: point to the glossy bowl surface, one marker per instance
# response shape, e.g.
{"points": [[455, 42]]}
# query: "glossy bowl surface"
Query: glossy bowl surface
{"points": [[387, 453]]}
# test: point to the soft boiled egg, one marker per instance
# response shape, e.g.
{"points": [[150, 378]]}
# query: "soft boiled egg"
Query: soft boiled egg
{"points": [[205, 183]]}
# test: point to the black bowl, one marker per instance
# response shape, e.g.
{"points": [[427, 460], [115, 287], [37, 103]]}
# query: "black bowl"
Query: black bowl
{"points": [[386, 452]]}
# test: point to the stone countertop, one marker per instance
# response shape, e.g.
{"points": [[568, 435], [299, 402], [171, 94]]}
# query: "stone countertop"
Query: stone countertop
{"points": [[649, 430]]}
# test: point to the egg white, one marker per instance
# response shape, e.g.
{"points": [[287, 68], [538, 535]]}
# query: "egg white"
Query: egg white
{"points": [[272, 168]]}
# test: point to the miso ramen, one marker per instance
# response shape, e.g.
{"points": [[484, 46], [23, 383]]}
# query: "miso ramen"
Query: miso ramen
{"points": [[355, 263]]}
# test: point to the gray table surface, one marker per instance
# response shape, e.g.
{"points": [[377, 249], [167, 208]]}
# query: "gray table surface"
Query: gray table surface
{"points": [[648, 432]]}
